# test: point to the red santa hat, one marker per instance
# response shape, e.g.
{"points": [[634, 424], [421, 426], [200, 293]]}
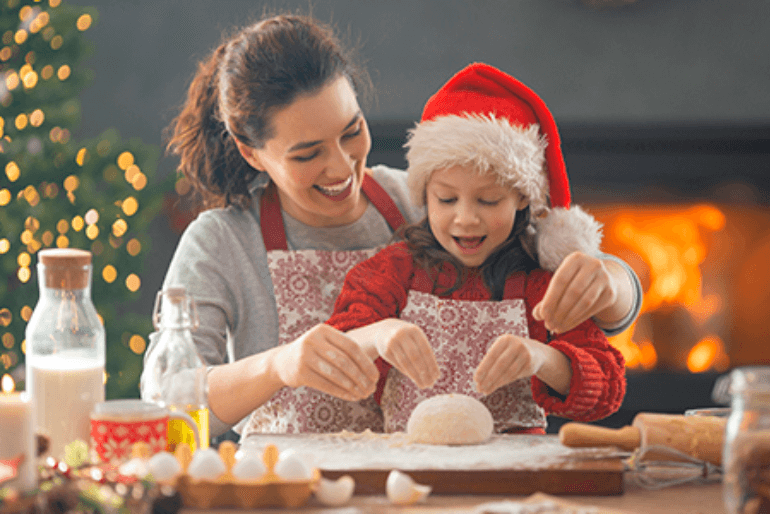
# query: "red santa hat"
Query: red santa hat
{"points": [[485, 119]]}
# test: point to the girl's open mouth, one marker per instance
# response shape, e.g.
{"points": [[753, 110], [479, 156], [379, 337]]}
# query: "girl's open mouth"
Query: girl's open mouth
{"points": [[469, 243]]}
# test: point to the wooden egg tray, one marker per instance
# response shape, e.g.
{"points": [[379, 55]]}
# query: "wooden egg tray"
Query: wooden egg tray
{"points": [[227, 491]]}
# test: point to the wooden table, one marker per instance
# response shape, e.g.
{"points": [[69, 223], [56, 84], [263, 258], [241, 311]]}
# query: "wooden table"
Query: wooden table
{"points": [[686, 499]]}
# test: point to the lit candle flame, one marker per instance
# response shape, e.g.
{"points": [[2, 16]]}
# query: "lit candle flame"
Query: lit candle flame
{"points": [[7, 384]]}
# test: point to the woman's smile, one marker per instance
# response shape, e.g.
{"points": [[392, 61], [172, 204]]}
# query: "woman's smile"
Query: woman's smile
{"points": [[337, 191]]}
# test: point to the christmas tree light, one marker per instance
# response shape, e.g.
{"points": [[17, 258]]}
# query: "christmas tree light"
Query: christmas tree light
{"points": [[96, 195]]}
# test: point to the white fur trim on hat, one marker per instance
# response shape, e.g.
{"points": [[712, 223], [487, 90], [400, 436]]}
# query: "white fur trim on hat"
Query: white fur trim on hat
{"points": [[564, 231], [514, 153]]}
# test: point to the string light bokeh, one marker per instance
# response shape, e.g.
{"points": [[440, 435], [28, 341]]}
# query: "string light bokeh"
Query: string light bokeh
{"points": [[99, 195]]}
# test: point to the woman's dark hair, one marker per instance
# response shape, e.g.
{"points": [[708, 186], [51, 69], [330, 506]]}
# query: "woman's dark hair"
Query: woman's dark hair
{"points": [[509, 258], [238, 88]]}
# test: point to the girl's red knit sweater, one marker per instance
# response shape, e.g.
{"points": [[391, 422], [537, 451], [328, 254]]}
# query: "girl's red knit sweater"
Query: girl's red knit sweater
{"points": [[377, 289]]}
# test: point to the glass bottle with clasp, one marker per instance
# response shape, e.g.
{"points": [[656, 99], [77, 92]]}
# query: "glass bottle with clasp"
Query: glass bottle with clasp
{"points": [[175, 376]]}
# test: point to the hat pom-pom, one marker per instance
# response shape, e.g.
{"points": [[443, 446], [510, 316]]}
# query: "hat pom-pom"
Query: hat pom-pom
{"points": [[564, 231]]}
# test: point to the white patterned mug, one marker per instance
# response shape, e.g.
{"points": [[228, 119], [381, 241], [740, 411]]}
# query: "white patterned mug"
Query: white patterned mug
{"points": [[117, 425]]}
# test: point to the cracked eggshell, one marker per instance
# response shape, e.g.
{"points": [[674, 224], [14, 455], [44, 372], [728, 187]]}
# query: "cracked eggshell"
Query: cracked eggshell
{"points": [[292, 466], [402, 490], [334, 493], [206, 464]]}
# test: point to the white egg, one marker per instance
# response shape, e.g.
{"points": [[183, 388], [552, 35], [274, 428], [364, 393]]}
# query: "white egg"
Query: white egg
{"points": [[291, 466], [402, 490], [164, 466], [249, 467], [206, 464], [335, 492], [135, 467]]}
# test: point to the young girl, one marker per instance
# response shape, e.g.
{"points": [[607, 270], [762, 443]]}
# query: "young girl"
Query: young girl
{"points": [[485, 160]]}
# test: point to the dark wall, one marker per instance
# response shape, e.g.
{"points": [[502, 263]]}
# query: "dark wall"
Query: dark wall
{"points": [[659, 62], [654, 61]]}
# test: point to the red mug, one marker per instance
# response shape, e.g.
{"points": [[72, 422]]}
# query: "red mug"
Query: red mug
{"points": [[117, 425]]}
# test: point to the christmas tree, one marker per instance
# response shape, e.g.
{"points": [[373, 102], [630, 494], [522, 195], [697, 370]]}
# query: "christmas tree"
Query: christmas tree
{"points": [[97, 195]]}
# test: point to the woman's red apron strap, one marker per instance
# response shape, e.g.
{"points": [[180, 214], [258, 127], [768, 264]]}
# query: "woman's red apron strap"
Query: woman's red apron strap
{"points": [[382, 202], [274, 234]]}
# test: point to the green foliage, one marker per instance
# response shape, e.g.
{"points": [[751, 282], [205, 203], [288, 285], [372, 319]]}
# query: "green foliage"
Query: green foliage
{"points": [[97, 195]]}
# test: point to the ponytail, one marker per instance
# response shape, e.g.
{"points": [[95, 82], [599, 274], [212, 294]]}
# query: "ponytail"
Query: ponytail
{"points": [[209, 158]]}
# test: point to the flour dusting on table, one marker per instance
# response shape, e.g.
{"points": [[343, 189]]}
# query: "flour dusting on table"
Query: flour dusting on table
{"points": [[368, 450]]}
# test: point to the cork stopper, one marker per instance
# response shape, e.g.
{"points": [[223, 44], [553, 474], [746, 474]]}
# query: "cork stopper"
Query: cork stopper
{"points": [[65, 268]]}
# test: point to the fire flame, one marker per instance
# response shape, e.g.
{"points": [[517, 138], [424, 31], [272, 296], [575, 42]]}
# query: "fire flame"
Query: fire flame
{"points": [[7, 384], [672, 246], [708, 353]]}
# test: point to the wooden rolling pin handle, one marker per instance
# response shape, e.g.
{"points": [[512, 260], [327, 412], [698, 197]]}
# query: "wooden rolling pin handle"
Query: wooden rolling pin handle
{"points": [[582, 435]]}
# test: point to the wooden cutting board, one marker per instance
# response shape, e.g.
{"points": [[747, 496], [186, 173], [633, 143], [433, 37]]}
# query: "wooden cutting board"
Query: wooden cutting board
{"points": [[507, 464]]}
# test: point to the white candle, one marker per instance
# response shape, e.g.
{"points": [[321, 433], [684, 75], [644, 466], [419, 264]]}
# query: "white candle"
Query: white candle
{"points": [[17, 437]]}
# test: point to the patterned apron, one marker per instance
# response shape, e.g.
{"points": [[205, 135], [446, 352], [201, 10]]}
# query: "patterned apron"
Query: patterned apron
{"points": [[306, 285], [460, 333]]}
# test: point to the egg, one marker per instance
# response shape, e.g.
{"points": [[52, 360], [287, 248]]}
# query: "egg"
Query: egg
{"points": [[164, 466], [206, 464], [402, 490], [248, 466], [291, 466], [134, 467], [335, 492]]}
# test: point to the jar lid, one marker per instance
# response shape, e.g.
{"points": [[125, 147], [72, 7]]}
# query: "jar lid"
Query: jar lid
{"points": [[750, 378], [64, 257], [65, 268], [175, 293]]}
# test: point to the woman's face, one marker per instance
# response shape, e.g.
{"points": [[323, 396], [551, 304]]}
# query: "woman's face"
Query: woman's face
{"points": [[317, 155], [470, 214]]}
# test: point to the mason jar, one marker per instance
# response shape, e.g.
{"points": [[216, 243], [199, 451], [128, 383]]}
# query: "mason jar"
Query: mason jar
{"points": [[746, 452]]}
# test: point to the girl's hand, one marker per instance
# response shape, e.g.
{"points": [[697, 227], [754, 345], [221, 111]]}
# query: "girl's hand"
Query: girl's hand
{"points": [[582, 287], [327, 360], [509, 358], [512, 357], [403, 345]]}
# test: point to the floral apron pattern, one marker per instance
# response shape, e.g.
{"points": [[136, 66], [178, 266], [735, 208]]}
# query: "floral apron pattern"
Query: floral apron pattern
{"points": [[460, 333], [306, 285]]}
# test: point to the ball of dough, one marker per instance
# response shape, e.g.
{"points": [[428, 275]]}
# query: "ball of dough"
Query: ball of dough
{"points": [[450, 419]]}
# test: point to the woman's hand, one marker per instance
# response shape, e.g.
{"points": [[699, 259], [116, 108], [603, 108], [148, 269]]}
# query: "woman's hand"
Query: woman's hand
{"points": [[583, 287], [403, 345], [511, 357], [327, 360]]}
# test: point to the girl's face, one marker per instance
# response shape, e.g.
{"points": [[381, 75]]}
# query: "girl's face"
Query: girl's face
{"points": [[317, 155], [470, 214]]}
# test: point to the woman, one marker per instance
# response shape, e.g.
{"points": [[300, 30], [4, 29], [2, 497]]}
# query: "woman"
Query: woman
{"points": [[272, 135]]}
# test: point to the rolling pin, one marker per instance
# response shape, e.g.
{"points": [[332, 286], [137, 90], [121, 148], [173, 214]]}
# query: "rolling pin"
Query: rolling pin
{"points": [[700, 437]]}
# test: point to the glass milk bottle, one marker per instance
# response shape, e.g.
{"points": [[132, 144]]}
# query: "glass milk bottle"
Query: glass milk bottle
{"points": [[65, 349], [175, 376], [746, 457]]}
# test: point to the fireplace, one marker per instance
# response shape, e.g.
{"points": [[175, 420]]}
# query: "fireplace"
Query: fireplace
{"points": [[689, 209]]}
